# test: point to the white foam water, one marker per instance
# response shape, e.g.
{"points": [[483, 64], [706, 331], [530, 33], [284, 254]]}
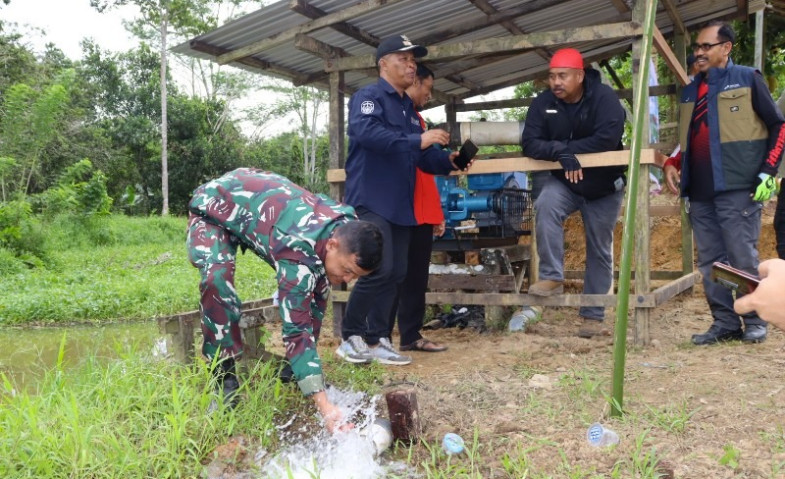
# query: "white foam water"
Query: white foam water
{"points": [[344, 455]]}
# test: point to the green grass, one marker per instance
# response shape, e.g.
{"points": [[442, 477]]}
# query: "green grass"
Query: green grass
{"points": [[133, 417], [116, 268]]}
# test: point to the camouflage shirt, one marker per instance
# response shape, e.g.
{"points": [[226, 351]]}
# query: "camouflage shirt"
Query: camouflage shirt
{"points": [[288, 227]]}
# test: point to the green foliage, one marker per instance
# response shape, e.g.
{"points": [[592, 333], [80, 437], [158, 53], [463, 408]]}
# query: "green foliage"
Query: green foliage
{"points": [[22, 233], [29, 121], [116, 267], [81, 191], [156, 425], [730, 456]]}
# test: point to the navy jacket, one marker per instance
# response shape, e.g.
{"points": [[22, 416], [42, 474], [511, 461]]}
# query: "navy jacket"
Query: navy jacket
{"points": [[746, 133], [384, 150], [597, 126]]}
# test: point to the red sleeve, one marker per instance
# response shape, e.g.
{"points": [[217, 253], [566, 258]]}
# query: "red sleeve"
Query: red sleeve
{"points": [[674, 161]]}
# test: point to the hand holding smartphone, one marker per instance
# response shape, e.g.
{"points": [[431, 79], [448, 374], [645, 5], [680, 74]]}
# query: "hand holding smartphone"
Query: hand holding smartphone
{"points": [[732, 278], [466, 153]]}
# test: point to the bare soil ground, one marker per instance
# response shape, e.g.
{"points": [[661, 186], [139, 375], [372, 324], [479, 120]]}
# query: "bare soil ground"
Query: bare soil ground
{"points": [[706, 412]]}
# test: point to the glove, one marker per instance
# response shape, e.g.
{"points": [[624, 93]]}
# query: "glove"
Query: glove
{"points": [[568, 162], [765, 187]]}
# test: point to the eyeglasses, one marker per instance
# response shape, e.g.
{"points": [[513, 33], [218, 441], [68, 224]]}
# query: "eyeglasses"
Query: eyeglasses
{"points": [[704, 47]]}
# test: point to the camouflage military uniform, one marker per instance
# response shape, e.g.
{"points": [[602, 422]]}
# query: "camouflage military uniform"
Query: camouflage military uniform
{"points": [[286, 226]]}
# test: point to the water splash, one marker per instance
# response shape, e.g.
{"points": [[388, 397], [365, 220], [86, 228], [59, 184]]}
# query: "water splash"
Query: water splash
{"points": [[345, 455]]}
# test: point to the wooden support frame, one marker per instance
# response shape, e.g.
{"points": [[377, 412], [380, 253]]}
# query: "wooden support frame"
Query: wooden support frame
{"points": [[509, 43], [643, 300], [182, 327]]}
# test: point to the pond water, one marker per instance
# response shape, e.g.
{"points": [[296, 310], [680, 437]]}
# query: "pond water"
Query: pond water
{"points": [[27, 353]]}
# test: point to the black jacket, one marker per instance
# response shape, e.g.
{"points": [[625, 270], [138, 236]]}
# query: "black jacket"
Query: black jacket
{"points": [[597, 126]]}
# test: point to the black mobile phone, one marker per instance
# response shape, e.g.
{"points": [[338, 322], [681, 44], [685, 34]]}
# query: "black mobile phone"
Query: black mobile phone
{"points": [[465, 155], [732, 278]]}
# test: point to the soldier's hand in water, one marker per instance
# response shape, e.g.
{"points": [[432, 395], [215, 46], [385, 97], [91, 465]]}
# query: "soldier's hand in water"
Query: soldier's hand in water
{"points": [[332, 415]]}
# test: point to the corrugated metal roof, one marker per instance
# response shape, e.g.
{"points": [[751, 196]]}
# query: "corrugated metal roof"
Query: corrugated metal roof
{"points": [[433, 22]]}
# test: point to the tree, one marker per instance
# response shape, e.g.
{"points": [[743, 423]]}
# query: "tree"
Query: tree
{"points": [[306, 103], [30, 119], [188, 17]]}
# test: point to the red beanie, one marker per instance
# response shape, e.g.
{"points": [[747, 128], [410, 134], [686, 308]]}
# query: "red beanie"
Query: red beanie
{"points": [[567, 58]]}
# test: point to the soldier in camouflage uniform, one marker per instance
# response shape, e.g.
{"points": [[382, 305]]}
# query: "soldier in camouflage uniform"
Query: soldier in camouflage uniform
{"points": [[308, 239]]}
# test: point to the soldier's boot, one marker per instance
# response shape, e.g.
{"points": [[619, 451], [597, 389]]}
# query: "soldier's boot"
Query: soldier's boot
{"points": [[226, 384]]}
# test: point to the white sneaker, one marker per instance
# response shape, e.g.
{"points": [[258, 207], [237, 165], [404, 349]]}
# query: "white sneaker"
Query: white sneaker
{"points": [[385, 353], [354, 350]]}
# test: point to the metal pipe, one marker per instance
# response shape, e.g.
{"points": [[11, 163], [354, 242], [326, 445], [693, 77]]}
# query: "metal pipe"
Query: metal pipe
{"points": [[493, 133]]}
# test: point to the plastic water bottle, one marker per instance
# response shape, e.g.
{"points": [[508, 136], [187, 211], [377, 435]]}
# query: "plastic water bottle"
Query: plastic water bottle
{"points": [[522, 317], [600, 436], [452, 443]]}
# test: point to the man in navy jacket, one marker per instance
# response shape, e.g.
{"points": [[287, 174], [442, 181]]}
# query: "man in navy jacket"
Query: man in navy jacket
{"points": [[578, 114], [732, 137], [386, 144]]}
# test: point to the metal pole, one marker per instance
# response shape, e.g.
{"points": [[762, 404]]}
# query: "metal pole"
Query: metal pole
{"points": [[623, 297]]}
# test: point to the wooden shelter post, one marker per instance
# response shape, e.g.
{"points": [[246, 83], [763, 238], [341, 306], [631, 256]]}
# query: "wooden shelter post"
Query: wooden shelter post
{"points": [[681, 42], [643, 219], [337, 161]]}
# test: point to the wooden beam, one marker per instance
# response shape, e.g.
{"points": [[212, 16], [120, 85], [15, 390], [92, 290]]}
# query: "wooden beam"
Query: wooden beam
{"points": [[317, 47], [666, 292], [657, 90], [307, 10], [511, 27], [517, 78], [673, 13], [512, 299], [620, 6], [483, 22], [509, 43], [292, 75], [502, 165], [278, 39], [670, 58]]}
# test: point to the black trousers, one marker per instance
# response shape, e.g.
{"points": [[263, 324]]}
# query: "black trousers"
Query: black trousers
{"points": [[779, 224], [373, 297], [411, 294]]}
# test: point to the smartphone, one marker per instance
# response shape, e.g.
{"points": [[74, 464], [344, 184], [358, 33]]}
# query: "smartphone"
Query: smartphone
{"points": [[465, 155], [732, 278]]}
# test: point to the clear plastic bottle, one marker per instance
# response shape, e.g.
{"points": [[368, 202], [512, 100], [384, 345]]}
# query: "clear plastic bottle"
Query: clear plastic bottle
{"points": [[521, 318]]}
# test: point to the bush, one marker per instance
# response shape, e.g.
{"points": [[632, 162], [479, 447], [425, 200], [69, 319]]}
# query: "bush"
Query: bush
{"points": [[10, 263], [22, 233]]}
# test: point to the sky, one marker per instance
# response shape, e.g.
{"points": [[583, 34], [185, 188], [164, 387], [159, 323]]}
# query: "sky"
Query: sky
{"points": [[66, 22]]}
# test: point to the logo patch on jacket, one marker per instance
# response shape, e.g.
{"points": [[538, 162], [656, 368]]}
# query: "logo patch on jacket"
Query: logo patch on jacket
{"points": [[366, 107], [734, 108]]}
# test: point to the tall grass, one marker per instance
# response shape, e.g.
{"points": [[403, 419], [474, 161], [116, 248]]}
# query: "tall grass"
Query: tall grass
{"points": [[133, 417], [112, 268]]}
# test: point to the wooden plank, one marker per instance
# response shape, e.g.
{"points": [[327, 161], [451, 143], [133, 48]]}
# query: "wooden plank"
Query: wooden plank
{"points": [[673, 13], [484, 21], [515, 299], [657, 90], [503, 165], [670, 58], [655, 275], [287, 35], [508, 43], [307, 10], [668, 291], [480, 282], [317, 47]]}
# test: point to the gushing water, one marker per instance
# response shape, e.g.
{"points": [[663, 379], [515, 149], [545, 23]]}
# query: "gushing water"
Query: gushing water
{"points": [[344, 455]]}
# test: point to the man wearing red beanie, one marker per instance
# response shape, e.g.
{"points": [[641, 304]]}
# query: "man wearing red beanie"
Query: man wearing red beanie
{"points": [[578, 114]]}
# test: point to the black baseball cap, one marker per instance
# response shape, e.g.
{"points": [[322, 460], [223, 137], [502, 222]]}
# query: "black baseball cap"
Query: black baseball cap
{"points": [[399, 43]]}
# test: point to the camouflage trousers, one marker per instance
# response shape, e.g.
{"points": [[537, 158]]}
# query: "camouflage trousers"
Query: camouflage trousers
{"points": [[213, 250]]}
